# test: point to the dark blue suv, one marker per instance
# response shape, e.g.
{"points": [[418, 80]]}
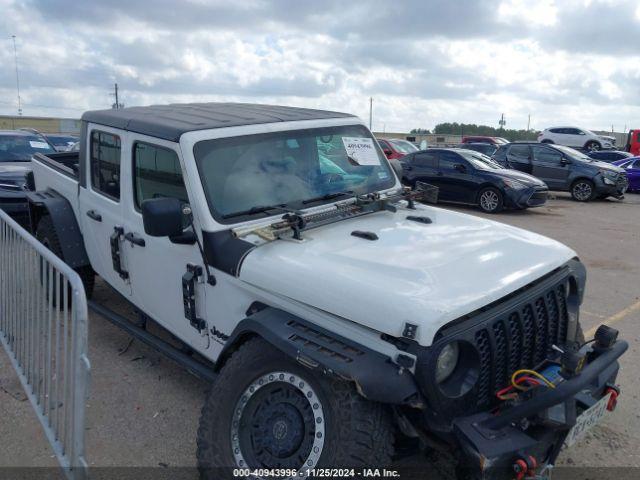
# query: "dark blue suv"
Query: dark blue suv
{"points": [[469, 177]]}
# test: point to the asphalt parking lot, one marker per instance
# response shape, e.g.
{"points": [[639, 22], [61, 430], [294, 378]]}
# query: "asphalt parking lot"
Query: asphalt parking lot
{"points": [[143, 410]]}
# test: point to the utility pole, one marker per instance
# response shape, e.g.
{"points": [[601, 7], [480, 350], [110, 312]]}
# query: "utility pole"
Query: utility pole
{"points": [[370, 113], [502, 122], [529, 123], [15, 58], [117, 105]]}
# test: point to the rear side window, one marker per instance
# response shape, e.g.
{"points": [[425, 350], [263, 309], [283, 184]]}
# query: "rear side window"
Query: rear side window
{"points": [[157, 174], [556, 130], [105, 163], [425, 159]]}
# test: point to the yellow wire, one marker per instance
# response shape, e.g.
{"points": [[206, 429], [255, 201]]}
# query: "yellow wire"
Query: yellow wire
{"points": [[529, 372]]}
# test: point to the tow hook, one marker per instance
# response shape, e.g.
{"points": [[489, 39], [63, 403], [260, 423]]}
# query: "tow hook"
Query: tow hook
{"points": [[525, 467], [613, 399]]}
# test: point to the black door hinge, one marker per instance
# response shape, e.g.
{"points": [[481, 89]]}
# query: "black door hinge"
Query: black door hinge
{"points": [[189, 280], [116, 257]]}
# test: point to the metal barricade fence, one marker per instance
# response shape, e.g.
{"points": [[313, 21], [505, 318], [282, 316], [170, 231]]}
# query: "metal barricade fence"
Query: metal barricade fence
{"points": [[43, 328]]}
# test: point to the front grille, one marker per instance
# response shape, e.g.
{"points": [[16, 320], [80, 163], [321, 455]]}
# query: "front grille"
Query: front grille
{"points": [[521, 338], [622, 182]]}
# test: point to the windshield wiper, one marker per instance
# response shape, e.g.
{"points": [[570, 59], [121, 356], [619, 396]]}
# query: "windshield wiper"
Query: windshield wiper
{"points": [[282, 207], [328, 196]]}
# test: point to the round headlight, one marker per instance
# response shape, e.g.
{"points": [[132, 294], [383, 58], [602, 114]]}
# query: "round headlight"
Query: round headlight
{"points": [[447, 361]]}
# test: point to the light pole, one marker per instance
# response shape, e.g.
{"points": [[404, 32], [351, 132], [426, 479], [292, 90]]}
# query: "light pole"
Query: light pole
{"points": [[370, 112], [15, 58]]}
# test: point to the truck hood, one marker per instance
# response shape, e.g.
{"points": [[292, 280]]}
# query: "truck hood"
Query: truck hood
{"points": [[424, 274]]}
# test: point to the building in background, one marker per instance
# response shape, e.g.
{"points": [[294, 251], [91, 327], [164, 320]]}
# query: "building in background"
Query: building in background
{"points": [[42, 124]]}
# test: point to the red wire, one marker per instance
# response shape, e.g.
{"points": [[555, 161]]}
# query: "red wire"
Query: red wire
{"points": [[534, 381]]}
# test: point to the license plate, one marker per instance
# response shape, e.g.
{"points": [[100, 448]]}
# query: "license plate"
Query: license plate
{"points": [[589, 418]]}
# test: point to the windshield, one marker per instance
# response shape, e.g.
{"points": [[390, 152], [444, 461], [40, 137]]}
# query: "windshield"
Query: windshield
{"points": [[403, 146], [292, 169], [479, 160], [20, 148], [574, 154]]}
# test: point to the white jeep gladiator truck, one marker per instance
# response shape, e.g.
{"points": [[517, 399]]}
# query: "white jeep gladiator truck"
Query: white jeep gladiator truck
{"points": [[337, 314]]}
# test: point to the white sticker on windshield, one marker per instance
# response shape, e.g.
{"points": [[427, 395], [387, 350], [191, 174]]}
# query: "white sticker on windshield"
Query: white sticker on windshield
{"points": [[361, 151], [35, 144]]}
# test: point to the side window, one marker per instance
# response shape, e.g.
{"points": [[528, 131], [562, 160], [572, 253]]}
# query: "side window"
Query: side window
{"points": [[425, 159], [449, 159], [556, 130], [636, 165], [520, 151], [501, 153], [546, 155], [105, 163], [156, 173]]}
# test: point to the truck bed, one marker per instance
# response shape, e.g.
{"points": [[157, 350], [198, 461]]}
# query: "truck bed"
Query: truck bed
{"points": [[58, 172]]}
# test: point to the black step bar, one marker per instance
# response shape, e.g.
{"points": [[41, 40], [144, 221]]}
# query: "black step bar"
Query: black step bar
{"points": [[194, 366]]}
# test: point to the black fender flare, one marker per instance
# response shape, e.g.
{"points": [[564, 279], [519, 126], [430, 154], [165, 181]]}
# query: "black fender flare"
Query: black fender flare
{"points": [[376, 377], [49, 202]]}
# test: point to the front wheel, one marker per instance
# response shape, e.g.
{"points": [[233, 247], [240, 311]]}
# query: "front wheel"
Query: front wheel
{"points": [[265, 411], [490, 200], [583, 190]]}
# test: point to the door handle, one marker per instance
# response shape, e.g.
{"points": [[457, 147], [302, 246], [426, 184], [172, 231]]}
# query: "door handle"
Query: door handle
{"points": [[93, 215], [134, 239]]}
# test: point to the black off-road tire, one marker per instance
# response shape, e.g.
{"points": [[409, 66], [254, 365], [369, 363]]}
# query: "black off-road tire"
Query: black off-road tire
{"points": [[579, 190], [358, 433], [46, 234]]}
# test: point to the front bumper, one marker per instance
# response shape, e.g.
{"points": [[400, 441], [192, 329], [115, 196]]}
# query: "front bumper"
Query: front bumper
{"points": [[492, 442], [526, 198], [614, 187]]}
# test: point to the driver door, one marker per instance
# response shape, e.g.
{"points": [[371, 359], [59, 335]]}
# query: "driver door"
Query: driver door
{"points": [[156, 265], [550, 167]]}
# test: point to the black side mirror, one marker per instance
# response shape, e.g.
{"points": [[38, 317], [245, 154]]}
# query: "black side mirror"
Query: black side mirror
{"points": [[387, 152], [459, 167], [162, 217], [397, 167], [564, 161]]}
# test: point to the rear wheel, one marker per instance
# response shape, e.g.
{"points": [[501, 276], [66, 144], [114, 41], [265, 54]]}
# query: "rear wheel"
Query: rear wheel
{"points": [[583, 190], [592, 146], [266, 411], [46, 234], [490, 200]]}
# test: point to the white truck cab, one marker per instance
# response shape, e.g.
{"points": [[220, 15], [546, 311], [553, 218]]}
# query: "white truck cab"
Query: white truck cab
{"points": [[337, 312]]}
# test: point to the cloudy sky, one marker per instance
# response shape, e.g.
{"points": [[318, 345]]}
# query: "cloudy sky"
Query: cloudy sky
{"points": [[422, 61]]}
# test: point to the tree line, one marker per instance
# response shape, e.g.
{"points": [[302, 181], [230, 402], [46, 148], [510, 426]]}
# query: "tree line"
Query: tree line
{"points": [[473, 129]]}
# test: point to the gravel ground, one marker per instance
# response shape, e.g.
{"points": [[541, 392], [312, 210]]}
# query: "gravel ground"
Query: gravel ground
{"points": [[143, 409]]}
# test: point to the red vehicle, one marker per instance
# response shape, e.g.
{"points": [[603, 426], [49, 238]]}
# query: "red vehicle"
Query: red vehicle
{"points": [[483, 139], [396, 148], [633, 142]]}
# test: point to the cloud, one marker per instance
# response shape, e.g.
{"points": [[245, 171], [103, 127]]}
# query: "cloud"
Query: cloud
{"points": [[424, 62]]}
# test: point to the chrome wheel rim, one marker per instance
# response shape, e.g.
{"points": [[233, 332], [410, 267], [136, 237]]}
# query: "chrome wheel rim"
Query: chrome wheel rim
{"points": [[592, 147], [290, 427], [489, 200], [582, 191]]}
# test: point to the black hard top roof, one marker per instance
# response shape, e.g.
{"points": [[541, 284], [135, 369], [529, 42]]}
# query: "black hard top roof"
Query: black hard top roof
{"points": [[171, 121]]}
